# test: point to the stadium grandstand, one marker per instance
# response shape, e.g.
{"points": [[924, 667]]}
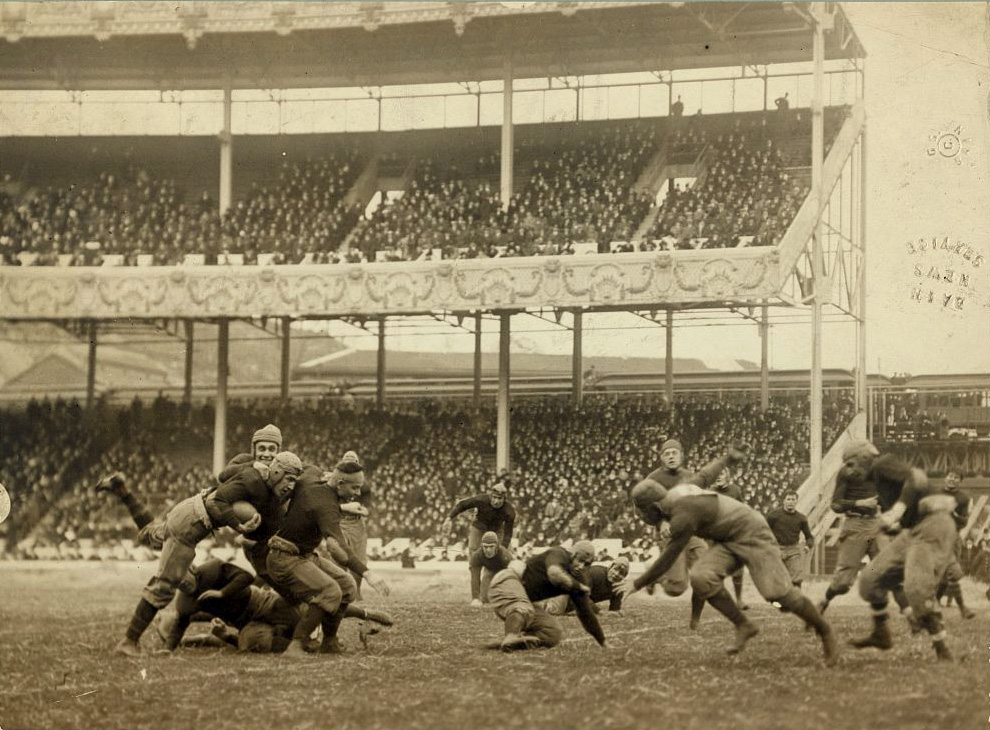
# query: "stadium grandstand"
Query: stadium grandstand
{"points": [[393, 162]]}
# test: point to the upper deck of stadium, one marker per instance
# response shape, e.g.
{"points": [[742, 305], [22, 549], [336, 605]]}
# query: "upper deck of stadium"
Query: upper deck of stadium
{"points": [[197, 45]]}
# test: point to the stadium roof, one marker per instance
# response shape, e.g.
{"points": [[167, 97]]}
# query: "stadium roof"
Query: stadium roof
{"points": [[262, 45]]}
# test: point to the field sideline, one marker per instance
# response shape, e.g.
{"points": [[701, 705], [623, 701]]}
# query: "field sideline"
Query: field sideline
{"points": [[58, 623]]}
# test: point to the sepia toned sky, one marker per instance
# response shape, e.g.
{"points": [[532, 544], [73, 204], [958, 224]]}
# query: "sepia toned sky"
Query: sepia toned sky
{"points": [[928, 176], [928, 72]]}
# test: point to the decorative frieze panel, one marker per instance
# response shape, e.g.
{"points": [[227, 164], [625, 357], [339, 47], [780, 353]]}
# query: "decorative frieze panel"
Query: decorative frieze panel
{"points": [[631, 279]]}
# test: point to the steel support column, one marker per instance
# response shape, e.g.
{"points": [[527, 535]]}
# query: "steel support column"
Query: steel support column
{"points": [[286, 355], [502, 456], [668, 360], [508, 142], [220, 417], [577, 369], [477, 359], [380, 382], [817, 268], [764, 358], [188, 374], [91, 335], [226, 155]]}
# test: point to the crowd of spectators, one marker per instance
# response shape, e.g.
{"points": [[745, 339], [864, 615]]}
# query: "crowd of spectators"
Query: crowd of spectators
{"points": [[572, 466], [572, 188], [145, 220]]}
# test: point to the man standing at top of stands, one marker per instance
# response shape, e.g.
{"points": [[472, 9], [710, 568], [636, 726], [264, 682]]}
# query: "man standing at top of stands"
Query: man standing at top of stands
{"points": [[489, 559], [671, 473], [788, 525], [867, 483], [194, 518], [493, 513], [739, 535]]}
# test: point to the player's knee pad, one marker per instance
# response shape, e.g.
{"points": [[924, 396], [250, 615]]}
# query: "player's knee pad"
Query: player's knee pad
{"points": [[256, 637], [790, 600], [152, 535], [704, 583], [328, 598], [551, 635], [348, 588]]}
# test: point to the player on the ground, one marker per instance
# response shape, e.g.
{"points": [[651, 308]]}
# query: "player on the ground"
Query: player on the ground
{"points": [[221, 590], [925, 518], [787, 525], [866, 485], [493, 513], [603, 581], [314, 515], [195, 518], [739, 535], [671, 473], [555, 572], [490, 558]]}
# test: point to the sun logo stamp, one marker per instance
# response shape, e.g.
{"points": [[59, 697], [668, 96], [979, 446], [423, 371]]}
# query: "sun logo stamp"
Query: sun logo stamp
{"points": [[4, 503], [950, 144], [944, 273]]}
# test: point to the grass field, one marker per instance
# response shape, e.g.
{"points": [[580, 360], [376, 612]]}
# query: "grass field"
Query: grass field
{"points": [[58, 624]]}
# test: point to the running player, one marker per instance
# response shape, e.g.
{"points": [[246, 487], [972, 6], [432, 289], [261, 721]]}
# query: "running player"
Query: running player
{"points": [[916, 560], [313, 515], [671, 473], [739, 536], [493, 513], [194, 518], [867, 484], [554, 572]]}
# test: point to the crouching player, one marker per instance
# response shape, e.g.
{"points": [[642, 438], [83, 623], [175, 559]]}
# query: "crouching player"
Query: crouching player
{"points": [[916, 560], [738, 535], [603, 581], [485, 562], [194, 518], [314, 515], [555, 572]]}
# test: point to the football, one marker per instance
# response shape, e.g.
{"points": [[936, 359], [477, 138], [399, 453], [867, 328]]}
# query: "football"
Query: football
{"points": [[244, 511]]}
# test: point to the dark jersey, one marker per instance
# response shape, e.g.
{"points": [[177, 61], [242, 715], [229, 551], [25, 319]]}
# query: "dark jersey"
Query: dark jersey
{"points": [[884, 481], [217, 575], [788, 527], [922, 501], [705, 476], [314, 514], [231, 606], [539, 587], [601, 588], [499, 561], [488, 518], [246, 485], [534, 579], [730, 490], [234, 466]]}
